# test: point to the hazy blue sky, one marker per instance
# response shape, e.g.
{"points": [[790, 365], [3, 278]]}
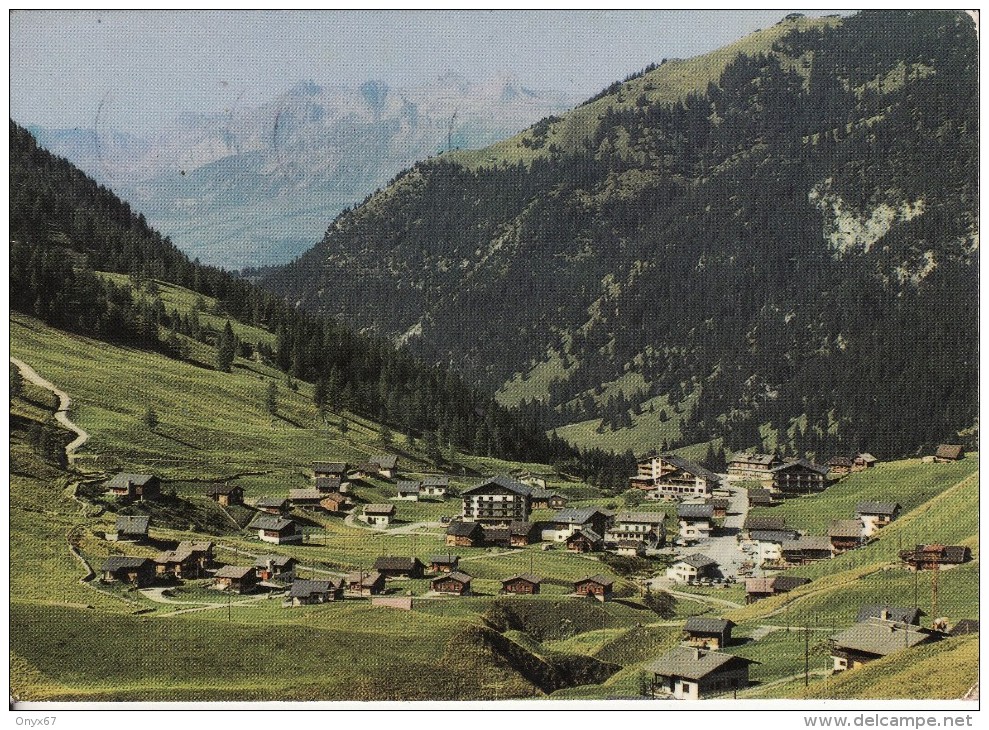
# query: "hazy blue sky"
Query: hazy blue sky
{"points": [[151, 65]]}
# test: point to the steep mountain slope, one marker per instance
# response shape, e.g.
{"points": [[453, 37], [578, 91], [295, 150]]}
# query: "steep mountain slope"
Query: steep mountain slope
{"points": [[255, 185], [780, 234]]}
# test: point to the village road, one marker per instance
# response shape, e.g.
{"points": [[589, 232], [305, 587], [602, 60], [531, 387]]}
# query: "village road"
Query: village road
{"points": [[62, 414]]}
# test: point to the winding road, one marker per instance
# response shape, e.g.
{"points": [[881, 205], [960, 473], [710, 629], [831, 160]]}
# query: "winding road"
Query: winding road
{"points": [[62, 414]]}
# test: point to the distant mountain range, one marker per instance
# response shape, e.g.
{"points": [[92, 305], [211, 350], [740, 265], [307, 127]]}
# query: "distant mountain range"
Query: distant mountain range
{"points": [[257, 185]]}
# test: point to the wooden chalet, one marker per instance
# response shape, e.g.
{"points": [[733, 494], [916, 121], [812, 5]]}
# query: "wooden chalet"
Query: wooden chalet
{"points": [[364, 582], [236, 579], [845, 535], [336, 469], [648, 528], [276, 529], [272, 505], [187, 561], [444, 563], [455, 582], [499, 500], [695, 521], [398, 567], [668, 476], [692, 673], [408, 491], [876, 515], [760, 497], [838, 466], [305, 498], [464, 534], [523, 584], [387, 465], [139, 572], [752, 467], [378, 515], [130, 528], [226, 494], [521, 533], [707, 632], [762, 522], [787, 583], [536, 481], [693, 568], [720, 507], [567, 521], [935, 557], [543, 498], [873, 639], [629, 548], [585, 540], [864, 461], [807, 549], [497, 535], [949, 452], [134, 486], [274, 567], [595, 586], [335, 502], [330, 485], [797, 477], [434, 487], [757, 588], [308, 592]]}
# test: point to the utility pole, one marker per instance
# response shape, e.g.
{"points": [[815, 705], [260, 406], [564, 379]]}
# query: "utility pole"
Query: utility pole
{"points": [[806, 655]]}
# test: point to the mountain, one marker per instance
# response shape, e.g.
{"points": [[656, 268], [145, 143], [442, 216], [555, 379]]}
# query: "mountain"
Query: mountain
{"points": [[255, 185], [775, 244]]}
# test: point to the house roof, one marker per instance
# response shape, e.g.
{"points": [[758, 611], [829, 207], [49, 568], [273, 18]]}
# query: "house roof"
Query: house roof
{"points": [[965, 626], [602, 580], [578, 515], [330, 467], [328, 484], [692, 663], [223, 489], [278, 502], [764, 522], [454, 575], [518, 527], [877, 508], [866, 457], [434, 481], [697, 560], [493, 533], [688, 466], [335, 499], [587, 533], [178, 555], [528, 577], [807, 542], [758, 495], [122, 562], [759, 585], [133, 524], [196, 546], [385, 461], [409, 487], [695, 511], [747, 458], [897, 614], [120, 481], [645, 518], [279, 561], [845, 528], [839, 461], [707, 625], [501, 481], [803, 464], [305, 494], [955, 554], [444, 560], [540, 493], [786, 583], [949, 451], [366, 578], [395, 563], [306, 588], [463, 529], [778, 536], [881, 638], [270, 522], [379, 509], [234, 571]]}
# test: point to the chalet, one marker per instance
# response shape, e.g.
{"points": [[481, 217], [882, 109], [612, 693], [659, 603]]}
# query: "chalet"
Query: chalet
{"points": [[876, 515], [648, 528], [272, 505], [453, 582], [397, 567], [768, 544], [873, 639], [695, 521], [707, 632], [307, 592], [864, 461], [797, 477], [464, 534], [762, 522], [948, 452], [361, 582], [409, 491], [787, 583], [845, 535], [236, 579], [543, 498], [807, 549], [585, 540], [378, 515], [434, 487], [336, 469], [760, 497], [499, 500], [668, 476], [497, 535], [536, 481], [387, 465], [181, 563], [330, 485], [596, 586], [524, 584], [305, 498], [131, 528], [935, 557], [629, 548], [226, 494], [838, 466], [752, 467], [335, 502], [567, 521], [692, 673], [757, 588], [897, 614], [139, 572], [134, 486], [521, 533], [276, 529], [444, 563], [720, 507], [692, 568], [274, 567]]}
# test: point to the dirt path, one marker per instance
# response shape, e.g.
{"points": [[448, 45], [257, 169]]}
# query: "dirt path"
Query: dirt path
{"points": [[62, 414]]}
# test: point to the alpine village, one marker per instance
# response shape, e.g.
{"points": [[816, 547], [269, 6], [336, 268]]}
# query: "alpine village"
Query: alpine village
{"points": [[669, 397]]}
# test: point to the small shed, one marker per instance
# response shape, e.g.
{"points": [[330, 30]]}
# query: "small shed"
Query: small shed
{"points": [[949, 452], [455, 582], [523, 584], [595, 586], [226, 494]]}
